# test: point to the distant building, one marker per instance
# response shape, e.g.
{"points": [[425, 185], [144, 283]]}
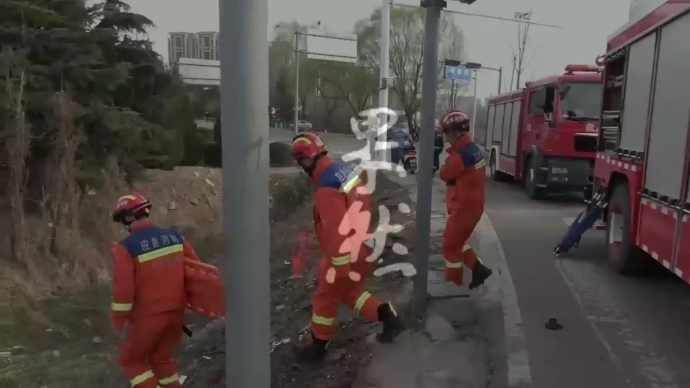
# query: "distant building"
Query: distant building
{"points": [[200, 45]]}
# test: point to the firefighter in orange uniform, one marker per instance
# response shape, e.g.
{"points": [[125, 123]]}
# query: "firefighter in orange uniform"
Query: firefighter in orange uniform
{"points": [[148, 295], [343, 268], [464, 173]]}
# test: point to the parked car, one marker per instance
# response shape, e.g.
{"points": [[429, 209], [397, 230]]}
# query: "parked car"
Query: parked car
{"points": [[302, 126]]}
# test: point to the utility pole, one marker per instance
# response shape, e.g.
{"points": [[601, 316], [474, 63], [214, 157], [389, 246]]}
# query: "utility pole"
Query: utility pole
{"points": [[454, 93], [474, 109], [426, 152], [297, 34], [244, 99], [386, 7], [500, 77]]}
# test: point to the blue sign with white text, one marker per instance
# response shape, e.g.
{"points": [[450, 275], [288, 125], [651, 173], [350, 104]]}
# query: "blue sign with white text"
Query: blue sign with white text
{"points": [[458, 73]]}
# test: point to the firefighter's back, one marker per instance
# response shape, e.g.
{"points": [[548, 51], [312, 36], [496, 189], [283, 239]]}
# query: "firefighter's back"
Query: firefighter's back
{"points": [[471, 183], [159, 269]]}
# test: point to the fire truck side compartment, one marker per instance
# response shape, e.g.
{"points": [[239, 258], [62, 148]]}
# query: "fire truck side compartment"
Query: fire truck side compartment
{"points": [[514, 127], [505, 136], [498, 124], [637, 93]]}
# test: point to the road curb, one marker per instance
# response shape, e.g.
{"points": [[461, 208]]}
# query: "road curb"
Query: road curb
{"points": [[499, 289]]}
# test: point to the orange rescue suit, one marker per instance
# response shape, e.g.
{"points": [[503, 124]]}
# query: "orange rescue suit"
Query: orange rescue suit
{"points": [[464, 173], [149, 302], [337, 191]]}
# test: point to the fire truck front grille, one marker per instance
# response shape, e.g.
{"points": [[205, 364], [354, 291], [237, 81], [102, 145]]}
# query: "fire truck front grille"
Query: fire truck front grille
{"points": [[585, 143]]}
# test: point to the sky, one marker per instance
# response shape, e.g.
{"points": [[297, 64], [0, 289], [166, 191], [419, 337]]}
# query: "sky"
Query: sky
{"points": [[586, 26]]}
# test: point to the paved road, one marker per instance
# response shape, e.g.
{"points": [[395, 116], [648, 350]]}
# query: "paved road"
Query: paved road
{"points": [[618, 331]]}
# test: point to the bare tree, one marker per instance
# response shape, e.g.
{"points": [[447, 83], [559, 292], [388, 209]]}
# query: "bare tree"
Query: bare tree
{"points": [[520, 53], [63, 194], [452, 47], [17, 143], [328, 98], [353, 85], [406, 52]]}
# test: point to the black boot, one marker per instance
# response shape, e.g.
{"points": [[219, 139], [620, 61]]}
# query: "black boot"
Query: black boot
{"points": [[312, 353], [480, 273], [392, 324]]}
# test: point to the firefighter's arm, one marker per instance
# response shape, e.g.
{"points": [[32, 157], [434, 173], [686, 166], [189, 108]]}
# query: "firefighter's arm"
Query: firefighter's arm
{"points": [[189, 252], [123, 286], [452, 168], [332, 208]]}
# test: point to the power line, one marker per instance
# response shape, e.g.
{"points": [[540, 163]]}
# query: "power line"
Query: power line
{"points": [[485, 16]]}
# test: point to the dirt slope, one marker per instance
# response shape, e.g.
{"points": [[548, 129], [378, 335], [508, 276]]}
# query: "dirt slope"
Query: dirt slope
{"points": [[66, 342]]}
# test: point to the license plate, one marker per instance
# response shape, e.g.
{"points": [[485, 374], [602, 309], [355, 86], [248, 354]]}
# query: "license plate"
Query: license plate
{"points": [[559, 170]]}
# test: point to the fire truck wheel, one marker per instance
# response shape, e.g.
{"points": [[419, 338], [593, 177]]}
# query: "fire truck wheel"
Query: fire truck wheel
{"points": [[623, 255], [531, 189]]}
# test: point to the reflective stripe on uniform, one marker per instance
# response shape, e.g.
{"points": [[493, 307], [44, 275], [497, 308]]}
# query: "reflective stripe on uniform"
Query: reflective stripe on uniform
{"points": [[322, 320], [351, 183], [453, 265], [170, 380], [121, 306], [393, 309], [160, 252], [481, 164], [342, 260], [361, 300], [142, 378]]}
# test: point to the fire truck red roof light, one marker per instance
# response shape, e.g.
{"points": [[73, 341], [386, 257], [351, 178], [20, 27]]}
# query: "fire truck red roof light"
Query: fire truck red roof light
{"points": [[583, 68]]}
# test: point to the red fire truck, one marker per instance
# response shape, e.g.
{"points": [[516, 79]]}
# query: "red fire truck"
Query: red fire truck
{"points": [[546, 133], [642, 161]]}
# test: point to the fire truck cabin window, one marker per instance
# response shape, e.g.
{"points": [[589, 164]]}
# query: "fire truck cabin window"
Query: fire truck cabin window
{"points": [[582, 101]]}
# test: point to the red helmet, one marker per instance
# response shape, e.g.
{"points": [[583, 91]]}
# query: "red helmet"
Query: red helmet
{"points": [[455, 121], [130, 208], [307, 146]]}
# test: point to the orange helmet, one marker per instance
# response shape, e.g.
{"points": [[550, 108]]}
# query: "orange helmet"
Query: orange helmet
{"points": [[307, 146], [130, 208], [455, 121]]}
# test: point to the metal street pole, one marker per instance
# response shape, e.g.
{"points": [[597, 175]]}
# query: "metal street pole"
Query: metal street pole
{"points": [[474, 109], [500, 77], [426, 152], [244, 99], [452, 88], [296, 81], [386, 7]]}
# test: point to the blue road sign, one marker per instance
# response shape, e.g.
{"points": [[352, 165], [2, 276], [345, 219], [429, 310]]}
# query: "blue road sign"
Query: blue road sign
{"points": [[458, 73]]}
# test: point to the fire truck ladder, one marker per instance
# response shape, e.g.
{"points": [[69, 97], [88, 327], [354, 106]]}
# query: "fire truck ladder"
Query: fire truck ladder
{"points": [[582, 223]]}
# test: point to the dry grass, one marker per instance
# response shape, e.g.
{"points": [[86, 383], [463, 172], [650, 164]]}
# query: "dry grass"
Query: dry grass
{"points": [[67, 317], [67, 310]]}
